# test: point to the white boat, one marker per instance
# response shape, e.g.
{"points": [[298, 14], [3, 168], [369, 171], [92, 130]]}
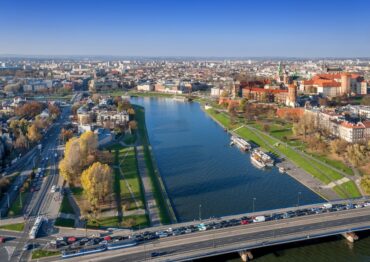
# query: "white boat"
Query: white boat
{"points": [[257, 161], [241, 143], [282, 170], [265, 158]]}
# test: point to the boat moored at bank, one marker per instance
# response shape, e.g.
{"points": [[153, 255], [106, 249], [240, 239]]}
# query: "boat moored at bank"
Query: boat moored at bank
{"points": [[241, 143]]}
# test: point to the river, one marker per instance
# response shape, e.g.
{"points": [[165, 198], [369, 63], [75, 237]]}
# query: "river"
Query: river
{"points": [[206, 177]]}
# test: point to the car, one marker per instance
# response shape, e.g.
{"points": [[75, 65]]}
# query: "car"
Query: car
{"points": [[104, 242], [71, 240], [244, 222], [157, 254], [15, 188], [2, 239], [26, 247], [53, 189]]}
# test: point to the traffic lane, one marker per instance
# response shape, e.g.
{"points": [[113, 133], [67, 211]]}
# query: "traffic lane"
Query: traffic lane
{"points": [[243, 238], [209, 241]]}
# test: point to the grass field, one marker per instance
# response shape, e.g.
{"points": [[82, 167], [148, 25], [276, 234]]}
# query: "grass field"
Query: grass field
{"points": [[128, 165], [66, 207], [14, 227], [348, 189], [64, 222], [136, 222], [104, 222], [36, 254], [16, 207]]}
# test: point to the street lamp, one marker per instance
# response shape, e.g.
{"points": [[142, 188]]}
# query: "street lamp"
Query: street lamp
{"points": [[200, 212], [254, 199], [299, 194]]}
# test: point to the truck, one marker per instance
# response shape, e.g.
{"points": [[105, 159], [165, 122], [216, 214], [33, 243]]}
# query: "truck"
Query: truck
{"points": [[258, 219]]}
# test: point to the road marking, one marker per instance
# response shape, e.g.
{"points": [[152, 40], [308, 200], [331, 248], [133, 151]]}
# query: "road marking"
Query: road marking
{"points": [[10, 251]]}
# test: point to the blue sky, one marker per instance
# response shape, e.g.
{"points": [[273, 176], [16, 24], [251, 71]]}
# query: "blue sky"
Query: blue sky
{"points": [[309, 28]]}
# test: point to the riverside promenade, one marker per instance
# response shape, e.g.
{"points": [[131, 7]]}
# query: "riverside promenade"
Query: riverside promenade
{"points": [[293, 170]]}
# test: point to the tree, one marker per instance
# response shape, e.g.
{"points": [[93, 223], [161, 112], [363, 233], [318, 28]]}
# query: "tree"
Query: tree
{"points": [[97, 183], [88, 147], [338, 146], [132, 124], [357, 154], [365, 184], [33, 133], [53, 110], [66, 134], [21, 142], [71, 165], [224, 93]]}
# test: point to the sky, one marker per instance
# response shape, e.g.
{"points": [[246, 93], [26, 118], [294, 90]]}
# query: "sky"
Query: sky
{"points": [[218, 28]]}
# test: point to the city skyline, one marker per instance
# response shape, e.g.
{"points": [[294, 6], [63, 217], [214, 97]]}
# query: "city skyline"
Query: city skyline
{"points": [[191, 29]]}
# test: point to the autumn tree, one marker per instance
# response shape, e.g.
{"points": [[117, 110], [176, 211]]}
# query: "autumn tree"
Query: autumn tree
{"points": [[338, 147], [33, 133], [79, 153], [53, 110], [305, 125], [65, 134], [97, 183], [357, 154], [366, 100], [21, 142]]}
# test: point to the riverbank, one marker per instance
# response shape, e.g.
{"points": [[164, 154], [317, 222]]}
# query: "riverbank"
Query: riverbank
{"points": [[314, 180], [166, 211]]}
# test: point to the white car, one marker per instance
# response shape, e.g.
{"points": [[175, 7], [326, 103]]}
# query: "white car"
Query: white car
{"points": [[53, 189]]}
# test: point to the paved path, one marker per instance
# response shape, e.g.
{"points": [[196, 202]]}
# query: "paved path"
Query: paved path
{"points": [[338, 182], [151, 204], [299, 174]]}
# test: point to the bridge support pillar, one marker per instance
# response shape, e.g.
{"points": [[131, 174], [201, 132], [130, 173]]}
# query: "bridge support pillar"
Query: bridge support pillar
{"points": [[350, 236], [246, 255]]}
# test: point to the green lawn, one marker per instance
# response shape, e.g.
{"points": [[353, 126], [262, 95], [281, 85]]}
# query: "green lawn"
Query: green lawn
{"points": [[14, 227], [104, 222], [64, 222], [66, 207], [77, 191], [130, 172], [36, 254], [334, 163], [16, 207], [136, 222], [350, 190]]}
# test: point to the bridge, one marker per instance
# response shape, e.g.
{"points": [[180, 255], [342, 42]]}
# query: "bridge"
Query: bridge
{"points": [[241, 238]]}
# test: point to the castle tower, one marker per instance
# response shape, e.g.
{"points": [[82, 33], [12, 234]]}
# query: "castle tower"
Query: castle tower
{"points": [[345, 83], [292, 95]]}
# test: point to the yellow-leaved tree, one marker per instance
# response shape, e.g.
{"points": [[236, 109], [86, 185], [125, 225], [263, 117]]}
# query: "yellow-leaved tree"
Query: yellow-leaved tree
{"points": [[97, 183], [33, 133]]}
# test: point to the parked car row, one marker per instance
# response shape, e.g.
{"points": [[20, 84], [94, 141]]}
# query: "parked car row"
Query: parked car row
{"points": [[76, 243]]}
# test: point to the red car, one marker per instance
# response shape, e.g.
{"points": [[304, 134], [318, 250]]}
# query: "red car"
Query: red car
{"points": [[71, 239], [244, 222], [2, 239], [107, 238]]}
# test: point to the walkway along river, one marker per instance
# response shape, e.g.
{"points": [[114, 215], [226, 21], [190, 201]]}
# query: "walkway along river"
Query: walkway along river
{"points": [[203, 175]]}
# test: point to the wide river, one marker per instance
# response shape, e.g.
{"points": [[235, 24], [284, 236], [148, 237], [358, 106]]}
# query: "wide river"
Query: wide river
{"points": [[200, 168]]}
